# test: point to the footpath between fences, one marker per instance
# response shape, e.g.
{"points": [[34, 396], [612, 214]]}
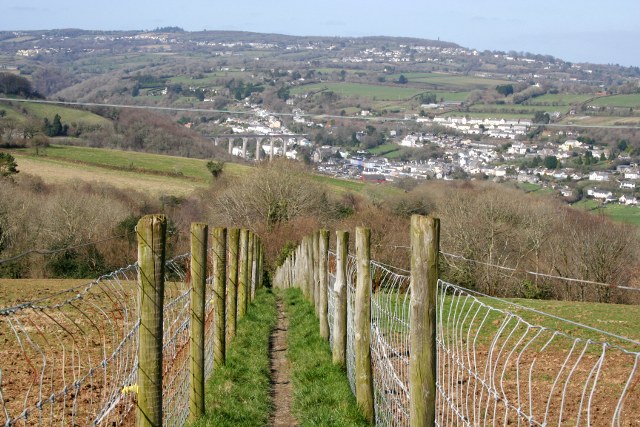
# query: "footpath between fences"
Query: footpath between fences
{"points": [[420, 351]]}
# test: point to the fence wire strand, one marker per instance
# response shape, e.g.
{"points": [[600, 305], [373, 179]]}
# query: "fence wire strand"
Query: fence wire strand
{"points": [[496, 367], [351, 302], [71, 358], [390, 299], [498, 362], [65, 359]]}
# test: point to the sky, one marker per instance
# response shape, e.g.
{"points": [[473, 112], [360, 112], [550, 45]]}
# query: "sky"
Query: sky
{"points": [[598, 31]]}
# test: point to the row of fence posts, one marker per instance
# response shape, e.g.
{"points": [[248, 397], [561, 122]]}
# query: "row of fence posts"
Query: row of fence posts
{"points": [[237, 259], [307, 268]]}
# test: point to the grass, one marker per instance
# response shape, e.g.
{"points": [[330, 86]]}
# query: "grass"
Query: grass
{"points": [[630, 101], [154, 173], [370, 91], [322, 396], [384, 149], [620, 213], [616, 319], [450, 81], [559, 99], [68, 115], [340, 185], [239, 393], [55, 171]]}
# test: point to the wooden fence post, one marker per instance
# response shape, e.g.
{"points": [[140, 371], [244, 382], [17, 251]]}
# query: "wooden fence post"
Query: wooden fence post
{"points": [[260, 265], [219, 254], [340, 289], [425, 241], [306, 267], [362, 324], [323, 276], [251, 289], [316, 272], [199, 233], [151, 231], [243, 273], [232, 283]]}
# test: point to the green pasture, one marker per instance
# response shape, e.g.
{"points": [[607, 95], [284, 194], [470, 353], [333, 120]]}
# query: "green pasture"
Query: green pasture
{"points": [[620, 213], [484, 115], [68, 115], [370, 91], [617, 319], [450, 81], [558, 99], [626, 101], [193, 168], [384, 149], [517, 108]]}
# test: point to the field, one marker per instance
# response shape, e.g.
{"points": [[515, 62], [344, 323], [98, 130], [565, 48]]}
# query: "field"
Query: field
{"points": [[621, 213], [384, 149], [152, 173], [559, 99], [376, 92], [450, 81], [68, 115], [625, 101]]}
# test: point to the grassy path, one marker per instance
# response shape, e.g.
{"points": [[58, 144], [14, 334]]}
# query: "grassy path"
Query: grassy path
{"points": [[280, 372], [321, 392], [239, 393]]}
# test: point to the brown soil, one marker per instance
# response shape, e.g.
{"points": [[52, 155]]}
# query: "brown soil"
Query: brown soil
{"points": [[282, 391]]}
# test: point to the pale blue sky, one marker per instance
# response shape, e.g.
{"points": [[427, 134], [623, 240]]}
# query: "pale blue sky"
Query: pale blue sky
{"points": [[601, 31]]}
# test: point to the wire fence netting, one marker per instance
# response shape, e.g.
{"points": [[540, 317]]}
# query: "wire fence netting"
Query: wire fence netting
{"points": [[71, 358], [498, 362]]}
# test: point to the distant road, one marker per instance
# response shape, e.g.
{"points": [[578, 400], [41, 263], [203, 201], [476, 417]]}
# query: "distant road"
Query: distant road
{"points": [[252, 113]]}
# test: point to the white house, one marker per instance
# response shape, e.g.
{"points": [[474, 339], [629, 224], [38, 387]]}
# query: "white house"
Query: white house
{"points": [[599, 176], [599, 194], [628, 200]]}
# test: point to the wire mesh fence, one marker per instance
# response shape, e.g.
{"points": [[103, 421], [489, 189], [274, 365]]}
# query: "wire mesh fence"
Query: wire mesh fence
{"points": [[498, 362], [65, 359], [390, 299], [351, 303], [495, 366], [71, 358], [175, 342], [331, 295]]}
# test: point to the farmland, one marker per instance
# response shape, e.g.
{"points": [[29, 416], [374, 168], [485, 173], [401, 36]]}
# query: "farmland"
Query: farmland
{"points": [[68, 115], [377, 92], [624, 101]]}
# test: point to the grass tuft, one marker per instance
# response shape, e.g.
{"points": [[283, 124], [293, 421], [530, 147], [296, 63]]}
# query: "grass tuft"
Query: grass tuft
{"points": [[322, 396], [239, 394]]}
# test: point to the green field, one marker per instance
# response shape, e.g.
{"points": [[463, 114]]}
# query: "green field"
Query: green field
{"points": [[558, 99], [625, 101], [384, 149], [68, 115], [361, 90], [154, 173], [450, 81], [128, 160], [620, 213]]}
